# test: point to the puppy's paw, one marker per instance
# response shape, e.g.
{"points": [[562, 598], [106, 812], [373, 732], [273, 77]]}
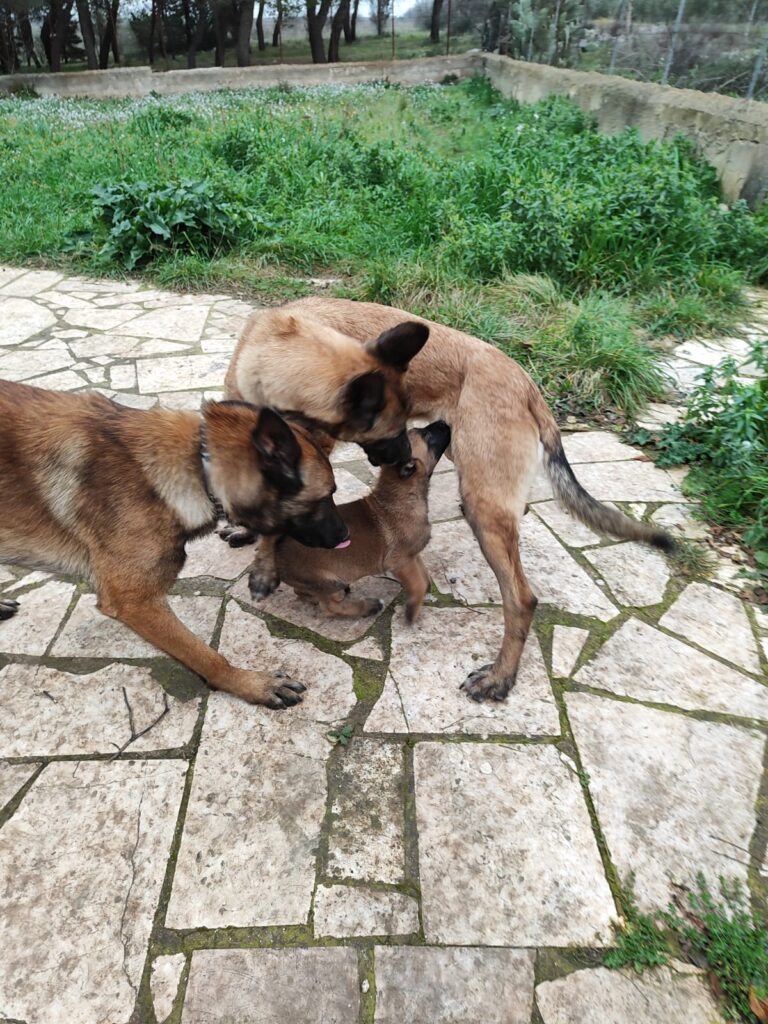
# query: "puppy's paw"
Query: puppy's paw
{"points": [[273, 690], [413, 611], [8, 608], [236, 536], [262, 582], [484, 684], [372, 607]]}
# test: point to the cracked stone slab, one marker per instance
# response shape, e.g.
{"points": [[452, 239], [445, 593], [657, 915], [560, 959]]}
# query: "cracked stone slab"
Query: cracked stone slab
{"points": [[421, 693], [88, 633], [181, 373], [66, 300], [118, 346], [180, 322], [457, 567], [23, 319], [30, 283], [258, 797], [365, 840], [567, 527], [416, 985], [348, 487], [636, 575], [8, 274], [12, 778], [25, 364], [211, 556], [64, 381], [602, 996], [444, 497], [285, 605], [122, 376], [100, 319], [369, 648], [33, 627], [343, 911], [642, 662], [567, 644], [85, 919], [678, 517], [164, 983], [715, 621], [673, 795], [273, 986], [597, 446], [44, 711], [506, 852], [629, 481]]}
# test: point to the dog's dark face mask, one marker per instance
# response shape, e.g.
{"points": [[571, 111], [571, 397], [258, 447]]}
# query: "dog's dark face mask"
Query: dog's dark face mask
{"points": [[322, 527], [390, 452]]}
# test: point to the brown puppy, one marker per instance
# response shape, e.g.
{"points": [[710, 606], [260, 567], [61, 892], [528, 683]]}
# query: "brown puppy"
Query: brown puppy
{"points": [[499, 423], [389, 529], [112, 494]]}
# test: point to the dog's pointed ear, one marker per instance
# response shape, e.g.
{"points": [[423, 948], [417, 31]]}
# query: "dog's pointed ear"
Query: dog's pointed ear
{"points": [[364, 399], [279, 451], [397, 346]]}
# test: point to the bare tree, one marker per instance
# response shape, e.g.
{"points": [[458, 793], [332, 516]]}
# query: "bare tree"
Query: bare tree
{"points": [[260, 25], [244, 27], [340, 18], [317, 15], [88, 34], [673, 42]]}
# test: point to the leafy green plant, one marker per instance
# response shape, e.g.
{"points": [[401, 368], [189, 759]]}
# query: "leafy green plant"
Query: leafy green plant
{"points": [[641, 943], [341, 736]]}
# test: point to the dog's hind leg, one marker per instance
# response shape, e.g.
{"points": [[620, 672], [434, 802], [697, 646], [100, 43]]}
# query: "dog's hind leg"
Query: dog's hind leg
{"points": [[414, 579], [8, 609]]}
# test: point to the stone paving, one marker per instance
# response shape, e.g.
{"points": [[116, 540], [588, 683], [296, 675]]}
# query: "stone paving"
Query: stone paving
{"points": [[171, 854]]}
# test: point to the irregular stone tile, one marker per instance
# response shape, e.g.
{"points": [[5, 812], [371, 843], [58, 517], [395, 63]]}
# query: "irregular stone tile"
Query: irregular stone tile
{"points": [[8, 274], [343, 911], [179, 322], [181, 373], [642, 662], [81, 865], [211, 556], [369, 648], [348, 487], [65, 300], [673, 795], [541, 487], [715, 621], [416, 985], [44, 711], [422, 687], [30, 580], [684, 375], [33, 627], [345, 451], [628, 481], [273, 986], [90, 634], [597, 446], [31, 283], [72, 333], [22, 364], [617, 997], [457, 567], [444, 497], [122, 376], [164, 983], [100, 319], [99, 346], [134, 401], [567, 527], [219, 344], [506, 850], [712, 353], [637, 576], [13, 777], [64, 381], [567, 643], [191, 400], [678, 517], [6, 576], [365, 841], [284, 604]]}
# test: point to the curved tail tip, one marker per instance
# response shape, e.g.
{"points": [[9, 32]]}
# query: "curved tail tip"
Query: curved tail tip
{"points": [[663, 542]]}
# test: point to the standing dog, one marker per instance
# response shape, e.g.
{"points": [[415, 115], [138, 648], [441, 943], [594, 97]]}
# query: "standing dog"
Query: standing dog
{"points": [[110, 493], [389, 529], [499, 422]]}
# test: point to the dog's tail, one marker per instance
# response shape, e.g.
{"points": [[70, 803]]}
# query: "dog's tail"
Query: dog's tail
{"points": [[575, 498]]}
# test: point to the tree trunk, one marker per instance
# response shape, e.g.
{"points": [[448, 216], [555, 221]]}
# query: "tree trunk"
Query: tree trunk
{"points": [[244, 27], [759, 65], [434, 27], [197, 35], [54, 21], [673, 42], [115, 42], [218, 25], [277, 30], [105, 41], [352, 37], [316, 18], [25, 28], [260, 25], [9, 56], [337, 27], [89, 36], [186, 15]]}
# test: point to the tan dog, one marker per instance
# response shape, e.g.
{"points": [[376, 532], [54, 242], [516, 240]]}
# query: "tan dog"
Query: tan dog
{"points": [[92, 488], [389, 529], [499, 422]]}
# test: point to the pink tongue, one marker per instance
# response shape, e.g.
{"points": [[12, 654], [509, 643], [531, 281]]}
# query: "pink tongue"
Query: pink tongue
{"points": [[344, 544]]}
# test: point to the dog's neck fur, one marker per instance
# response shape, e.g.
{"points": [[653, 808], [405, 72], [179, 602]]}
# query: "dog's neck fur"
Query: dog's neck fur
{"points": [[393, 499]]}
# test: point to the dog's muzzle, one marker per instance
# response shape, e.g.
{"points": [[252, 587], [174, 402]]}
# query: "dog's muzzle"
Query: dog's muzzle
{"points": [[321, 528], [392, 451]]}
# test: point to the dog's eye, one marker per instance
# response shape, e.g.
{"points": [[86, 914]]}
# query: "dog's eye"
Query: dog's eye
{"points": [[407, 469]]}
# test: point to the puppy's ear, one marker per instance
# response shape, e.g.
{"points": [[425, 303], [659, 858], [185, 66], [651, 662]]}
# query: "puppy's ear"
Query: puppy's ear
{"points": [[364, 399], [397, 346], [279, 451]]}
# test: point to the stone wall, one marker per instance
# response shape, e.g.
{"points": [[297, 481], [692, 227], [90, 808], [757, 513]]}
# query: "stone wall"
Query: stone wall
{"points": [[731, 133]]}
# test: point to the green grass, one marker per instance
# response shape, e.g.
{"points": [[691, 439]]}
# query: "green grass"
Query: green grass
{"points": [[520, 223]]}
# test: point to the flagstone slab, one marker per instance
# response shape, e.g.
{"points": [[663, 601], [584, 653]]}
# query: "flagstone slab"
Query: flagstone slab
{"points": [[44, 711], [173, 322], [678, 517], [211, 556], [22, 364], [164, 983], [101, 319], [122, 376], [602, 996], [567, 644], [66, 380], [65, 300], [422, 694], [369, 648], [642, 662], [89, 634], [567, 527], [8, 274], [348, 487], [597, 446], [636, 575], [33, 627], [81, 865], [715, 621], [674, 796], [132, 401], [12, 778], [444, 497], [181, 373], [365, 840], [629, 481], [30, 283], [343, 911], [416, 985], [23, 319], [120, 346], [273, 986], [506, 851]]}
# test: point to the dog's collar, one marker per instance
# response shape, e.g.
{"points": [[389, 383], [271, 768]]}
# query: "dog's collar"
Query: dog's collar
{"points": [[205, 469]]}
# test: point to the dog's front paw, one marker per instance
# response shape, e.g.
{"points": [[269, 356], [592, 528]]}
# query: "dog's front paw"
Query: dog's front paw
{"points": [[274, 690], [8, 609], [236, 536], [262, 582], [484, 684]]}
